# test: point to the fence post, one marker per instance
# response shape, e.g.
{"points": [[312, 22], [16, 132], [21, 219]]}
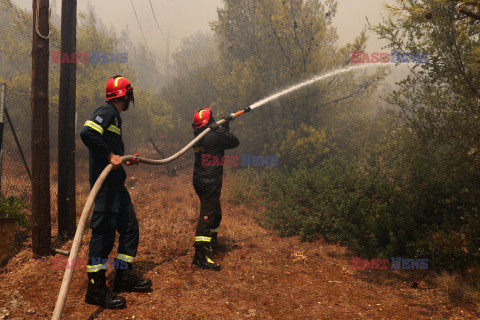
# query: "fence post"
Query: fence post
{"points": [[41, 218], [2, 107], [66, 125], [17, 142]]}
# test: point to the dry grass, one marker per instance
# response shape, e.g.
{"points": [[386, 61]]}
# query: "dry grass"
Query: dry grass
{"points": [[245, 186], [457, 289], [263, 276]]}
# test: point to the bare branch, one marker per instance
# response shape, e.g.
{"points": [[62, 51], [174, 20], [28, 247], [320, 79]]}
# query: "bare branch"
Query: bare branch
{"points": [[469, 13]]}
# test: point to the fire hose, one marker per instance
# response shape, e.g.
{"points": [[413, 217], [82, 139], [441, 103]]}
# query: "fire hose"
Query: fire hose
{"points": [[67, 277]]}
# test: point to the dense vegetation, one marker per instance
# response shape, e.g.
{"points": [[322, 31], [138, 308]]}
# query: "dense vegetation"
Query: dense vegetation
{"points": [[414, 189], [404, 181], [395, 175], [92, 37]]}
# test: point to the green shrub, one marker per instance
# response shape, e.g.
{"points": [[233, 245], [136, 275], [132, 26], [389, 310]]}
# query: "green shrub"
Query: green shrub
{"points": [[305, 146], [378, 209], [337, 201], [13, 207]]}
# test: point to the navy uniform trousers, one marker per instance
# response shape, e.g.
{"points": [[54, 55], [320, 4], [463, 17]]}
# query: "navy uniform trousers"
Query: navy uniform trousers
{"points": [[113, 212]]}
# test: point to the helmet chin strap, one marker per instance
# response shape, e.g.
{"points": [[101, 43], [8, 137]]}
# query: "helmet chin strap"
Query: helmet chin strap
{"points": [[127, 104], [129, 98]]}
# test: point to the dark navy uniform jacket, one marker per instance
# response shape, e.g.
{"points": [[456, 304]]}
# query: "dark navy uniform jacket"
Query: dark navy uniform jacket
{"points": [[213, 144], [102, 134]]}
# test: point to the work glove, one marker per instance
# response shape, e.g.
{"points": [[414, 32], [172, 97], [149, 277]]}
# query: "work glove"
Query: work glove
{"points": [[226, 124], [134, 160], [230, 117], [214, 126], [115, 160], [227, 119]]}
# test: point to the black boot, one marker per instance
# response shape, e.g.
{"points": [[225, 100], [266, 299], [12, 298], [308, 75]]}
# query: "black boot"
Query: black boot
{"points": [[125, 281], [214, 241], [200, 258], [99, 294]]}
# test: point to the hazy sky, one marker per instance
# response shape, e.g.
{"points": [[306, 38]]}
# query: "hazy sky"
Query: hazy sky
{"points": [[185, 17], [351, 18]]}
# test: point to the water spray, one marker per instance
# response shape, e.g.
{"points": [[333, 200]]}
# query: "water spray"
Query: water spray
{"points": [[72, 258]]}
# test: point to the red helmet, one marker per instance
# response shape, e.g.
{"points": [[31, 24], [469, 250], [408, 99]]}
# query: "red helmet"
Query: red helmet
{"points": [[118, 86], [202, 117]]}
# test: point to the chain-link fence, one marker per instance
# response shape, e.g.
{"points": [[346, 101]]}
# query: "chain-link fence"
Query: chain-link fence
{"points": [[16, 158]]}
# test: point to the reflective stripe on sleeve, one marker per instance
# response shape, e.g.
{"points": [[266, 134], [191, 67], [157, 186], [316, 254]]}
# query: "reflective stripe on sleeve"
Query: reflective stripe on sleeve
{"points": [[94, 126], [114, 129], [214, 230]]}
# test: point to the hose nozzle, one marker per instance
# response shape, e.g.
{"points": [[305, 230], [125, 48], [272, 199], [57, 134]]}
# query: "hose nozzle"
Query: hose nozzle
{"points": [[239, 113]]}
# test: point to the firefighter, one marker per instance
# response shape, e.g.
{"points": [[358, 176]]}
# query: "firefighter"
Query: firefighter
{"points": [[207, 182], [113, 210]]}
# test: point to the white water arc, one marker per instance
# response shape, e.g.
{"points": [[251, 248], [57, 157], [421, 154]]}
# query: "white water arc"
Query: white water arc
{"points": [[310, 82]]}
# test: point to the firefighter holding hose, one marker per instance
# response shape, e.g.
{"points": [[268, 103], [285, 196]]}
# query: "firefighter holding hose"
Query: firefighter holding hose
{"points": [[207, 182], [113, 210]]}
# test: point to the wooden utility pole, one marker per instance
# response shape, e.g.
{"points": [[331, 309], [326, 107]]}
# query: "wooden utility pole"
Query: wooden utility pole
{"points": [[66, 124], [41, 227], [2, 107]]}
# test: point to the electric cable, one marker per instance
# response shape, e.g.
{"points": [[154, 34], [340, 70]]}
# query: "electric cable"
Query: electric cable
{"points": [[153, 12], [141, 31]]}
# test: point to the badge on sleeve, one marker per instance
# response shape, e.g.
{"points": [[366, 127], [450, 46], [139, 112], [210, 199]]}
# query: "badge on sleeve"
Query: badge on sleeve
{"points": [[99, 119]]}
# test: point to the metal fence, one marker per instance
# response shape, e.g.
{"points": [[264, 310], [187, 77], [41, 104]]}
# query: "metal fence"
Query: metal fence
{"points": [[16, 158]]}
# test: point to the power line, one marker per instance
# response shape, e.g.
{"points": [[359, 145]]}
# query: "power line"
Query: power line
{"points": [[141, 31], [143, 36], [153, 11]]}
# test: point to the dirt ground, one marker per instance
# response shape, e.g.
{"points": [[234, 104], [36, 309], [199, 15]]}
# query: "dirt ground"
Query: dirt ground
{"points": [[263, 276]]}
